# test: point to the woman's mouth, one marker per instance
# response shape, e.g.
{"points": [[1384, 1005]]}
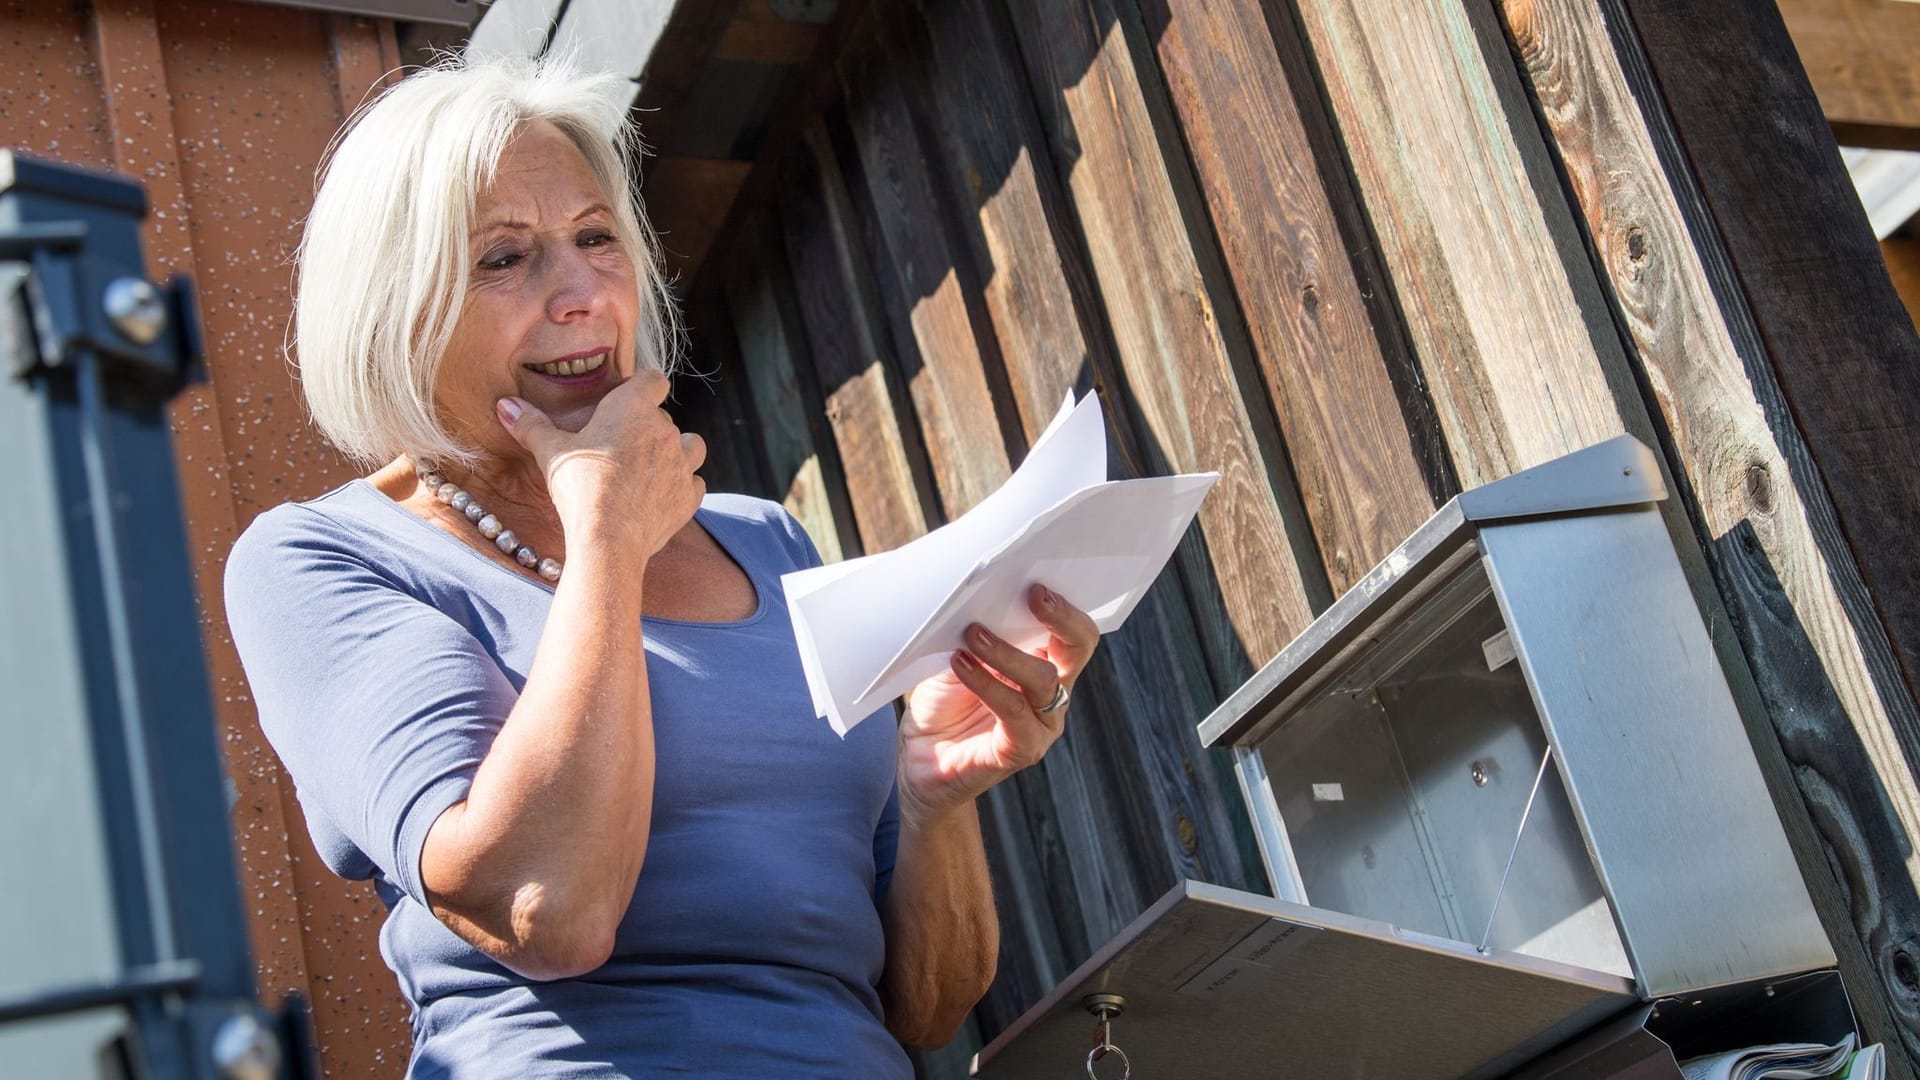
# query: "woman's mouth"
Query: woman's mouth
{"points": [[578, 371]]}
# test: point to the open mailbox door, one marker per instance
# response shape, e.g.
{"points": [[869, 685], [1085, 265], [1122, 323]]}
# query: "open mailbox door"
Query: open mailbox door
{"points": [[1503, 793], [1223, 983]]}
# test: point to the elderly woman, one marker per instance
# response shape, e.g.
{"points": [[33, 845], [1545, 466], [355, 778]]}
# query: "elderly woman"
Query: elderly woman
{"points": [[540, 687]]}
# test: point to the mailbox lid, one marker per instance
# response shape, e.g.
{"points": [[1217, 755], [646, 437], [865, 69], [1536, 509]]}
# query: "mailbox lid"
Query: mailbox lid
{"points": [[1225, 983]]}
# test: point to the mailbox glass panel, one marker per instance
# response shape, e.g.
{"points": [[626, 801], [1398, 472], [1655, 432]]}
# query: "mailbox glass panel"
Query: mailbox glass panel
{"points": [[1402, 786]]}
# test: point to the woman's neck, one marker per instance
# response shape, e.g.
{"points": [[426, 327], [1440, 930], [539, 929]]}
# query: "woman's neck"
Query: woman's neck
{"points": [[513, 491]]}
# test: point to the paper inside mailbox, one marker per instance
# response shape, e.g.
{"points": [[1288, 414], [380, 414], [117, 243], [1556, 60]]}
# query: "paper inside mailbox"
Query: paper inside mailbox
{"points": [[871, 628]]}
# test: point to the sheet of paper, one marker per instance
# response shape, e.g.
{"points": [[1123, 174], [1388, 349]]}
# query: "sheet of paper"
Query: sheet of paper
{"points": [[871, 628]]}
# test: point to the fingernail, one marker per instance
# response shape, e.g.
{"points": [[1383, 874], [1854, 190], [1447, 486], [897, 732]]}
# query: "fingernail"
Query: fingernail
{"points": [[1047, 597], [980, 638], [962, 661], [510, 409]]}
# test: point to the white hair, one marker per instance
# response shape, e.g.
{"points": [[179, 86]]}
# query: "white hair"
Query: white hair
{"points": [[384, 261]]}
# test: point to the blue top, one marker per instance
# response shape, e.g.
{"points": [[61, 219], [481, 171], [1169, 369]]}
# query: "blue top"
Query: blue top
{"points": [[383, 655]]}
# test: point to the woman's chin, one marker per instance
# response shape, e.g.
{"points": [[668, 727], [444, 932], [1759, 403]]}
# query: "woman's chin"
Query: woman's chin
{"points": [[572, 418]]}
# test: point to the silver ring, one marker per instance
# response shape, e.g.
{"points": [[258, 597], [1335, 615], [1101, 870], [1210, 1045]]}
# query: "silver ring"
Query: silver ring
{"points": [[1101, 1051], [1059, 701]]}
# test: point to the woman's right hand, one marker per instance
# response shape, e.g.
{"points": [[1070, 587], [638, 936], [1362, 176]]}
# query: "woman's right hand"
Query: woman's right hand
{"points": [[629, 472]]}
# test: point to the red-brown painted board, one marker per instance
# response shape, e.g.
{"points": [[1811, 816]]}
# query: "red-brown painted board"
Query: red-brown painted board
{"points": [[250, 130]]}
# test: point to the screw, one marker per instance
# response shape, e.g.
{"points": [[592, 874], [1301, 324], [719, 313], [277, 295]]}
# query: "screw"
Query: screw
{"points": [[133, 307], [243, 1049], [1479, 774]]}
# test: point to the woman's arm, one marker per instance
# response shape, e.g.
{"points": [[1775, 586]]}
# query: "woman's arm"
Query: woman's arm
{"points": [[943, 935], [538, 864], [963, 732]]}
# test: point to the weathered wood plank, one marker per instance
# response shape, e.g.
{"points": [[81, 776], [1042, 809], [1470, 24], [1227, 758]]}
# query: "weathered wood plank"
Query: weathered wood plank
{"points": [[992, 158], [920, 280], [686, 200], [710, 398], [1507, 346], [688, 39], [857, 378], [803, 464], [1179, 374], [1861, 57], [1100, 849], [1325, 373], [1797, 604], [1847, 359]]}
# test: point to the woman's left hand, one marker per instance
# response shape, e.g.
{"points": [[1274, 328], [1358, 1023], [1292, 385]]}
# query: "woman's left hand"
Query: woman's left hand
{"points": [[974, 725]]}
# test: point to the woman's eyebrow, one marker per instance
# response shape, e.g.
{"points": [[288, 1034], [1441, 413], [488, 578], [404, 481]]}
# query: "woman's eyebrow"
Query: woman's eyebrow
{"points": [[514, 223]]}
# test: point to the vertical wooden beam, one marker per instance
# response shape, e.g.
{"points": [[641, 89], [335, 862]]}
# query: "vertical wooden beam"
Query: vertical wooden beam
{"points": [[1167, 334], [1903, 266], [1511, 346], [857, 376], [1323, 365], [922, 281], [1846, 357], [1798, 607], [1078, 854], [790, 417]]}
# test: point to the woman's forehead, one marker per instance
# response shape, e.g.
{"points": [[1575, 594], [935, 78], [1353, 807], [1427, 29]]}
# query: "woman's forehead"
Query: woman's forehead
{"points": [[542, 177]]}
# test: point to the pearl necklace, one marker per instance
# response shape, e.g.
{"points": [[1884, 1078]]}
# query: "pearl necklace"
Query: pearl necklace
{"points": [[489, 526]]}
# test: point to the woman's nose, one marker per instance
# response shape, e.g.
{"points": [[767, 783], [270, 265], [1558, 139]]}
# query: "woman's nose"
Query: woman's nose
{"points": [[573, 287]]}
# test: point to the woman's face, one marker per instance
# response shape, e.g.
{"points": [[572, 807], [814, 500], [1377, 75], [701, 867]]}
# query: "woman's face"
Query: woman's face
{"points": [[551, 305]]}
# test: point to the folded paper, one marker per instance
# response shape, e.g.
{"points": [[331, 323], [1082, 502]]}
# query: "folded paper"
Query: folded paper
{"points": [[871, 628]]}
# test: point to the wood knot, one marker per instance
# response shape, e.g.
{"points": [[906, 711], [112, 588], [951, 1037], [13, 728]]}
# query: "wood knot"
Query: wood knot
{"points": [[1905, 971], [1760, 487], [1637, 245], [1310, 299], [1189, 839]]}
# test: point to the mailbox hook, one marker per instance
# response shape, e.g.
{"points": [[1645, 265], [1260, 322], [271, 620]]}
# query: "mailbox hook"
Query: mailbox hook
{"points": [[1105, 1007]]}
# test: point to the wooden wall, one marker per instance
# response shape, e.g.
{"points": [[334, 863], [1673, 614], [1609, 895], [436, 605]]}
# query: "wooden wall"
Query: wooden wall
{"points": [[1353, 262], [993, 206], [1352, 254]]}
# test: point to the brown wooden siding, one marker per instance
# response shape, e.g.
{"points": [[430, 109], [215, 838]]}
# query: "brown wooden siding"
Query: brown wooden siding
{"points": [[1215, 216], [1351, 261]]}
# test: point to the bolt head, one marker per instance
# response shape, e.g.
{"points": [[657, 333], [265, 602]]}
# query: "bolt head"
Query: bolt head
{"points": [[135, 309]]}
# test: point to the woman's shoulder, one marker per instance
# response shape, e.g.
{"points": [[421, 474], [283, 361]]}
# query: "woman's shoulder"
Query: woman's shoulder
{"points": [[754, 519], [295, 538]]}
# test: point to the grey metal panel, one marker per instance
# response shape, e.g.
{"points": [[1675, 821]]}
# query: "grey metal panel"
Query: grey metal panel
{"points": [[1222, 983], [1351, 821], [1618, 472], [1657, 765], [1399, 583], [1276, 850], [57, 918]]}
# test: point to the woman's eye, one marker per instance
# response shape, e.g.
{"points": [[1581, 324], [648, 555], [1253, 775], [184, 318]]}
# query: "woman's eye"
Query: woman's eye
{"points": [[597, 238], [500, 260]]}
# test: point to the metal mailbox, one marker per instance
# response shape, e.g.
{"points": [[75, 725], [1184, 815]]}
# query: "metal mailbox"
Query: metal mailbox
{"points": [[1509, 812], [1514, 733]]}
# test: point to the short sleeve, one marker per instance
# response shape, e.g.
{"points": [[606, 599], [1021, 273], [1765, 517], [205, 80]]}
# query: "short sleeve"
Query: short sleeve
{"points": [[380, 706], [799, 543]]}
